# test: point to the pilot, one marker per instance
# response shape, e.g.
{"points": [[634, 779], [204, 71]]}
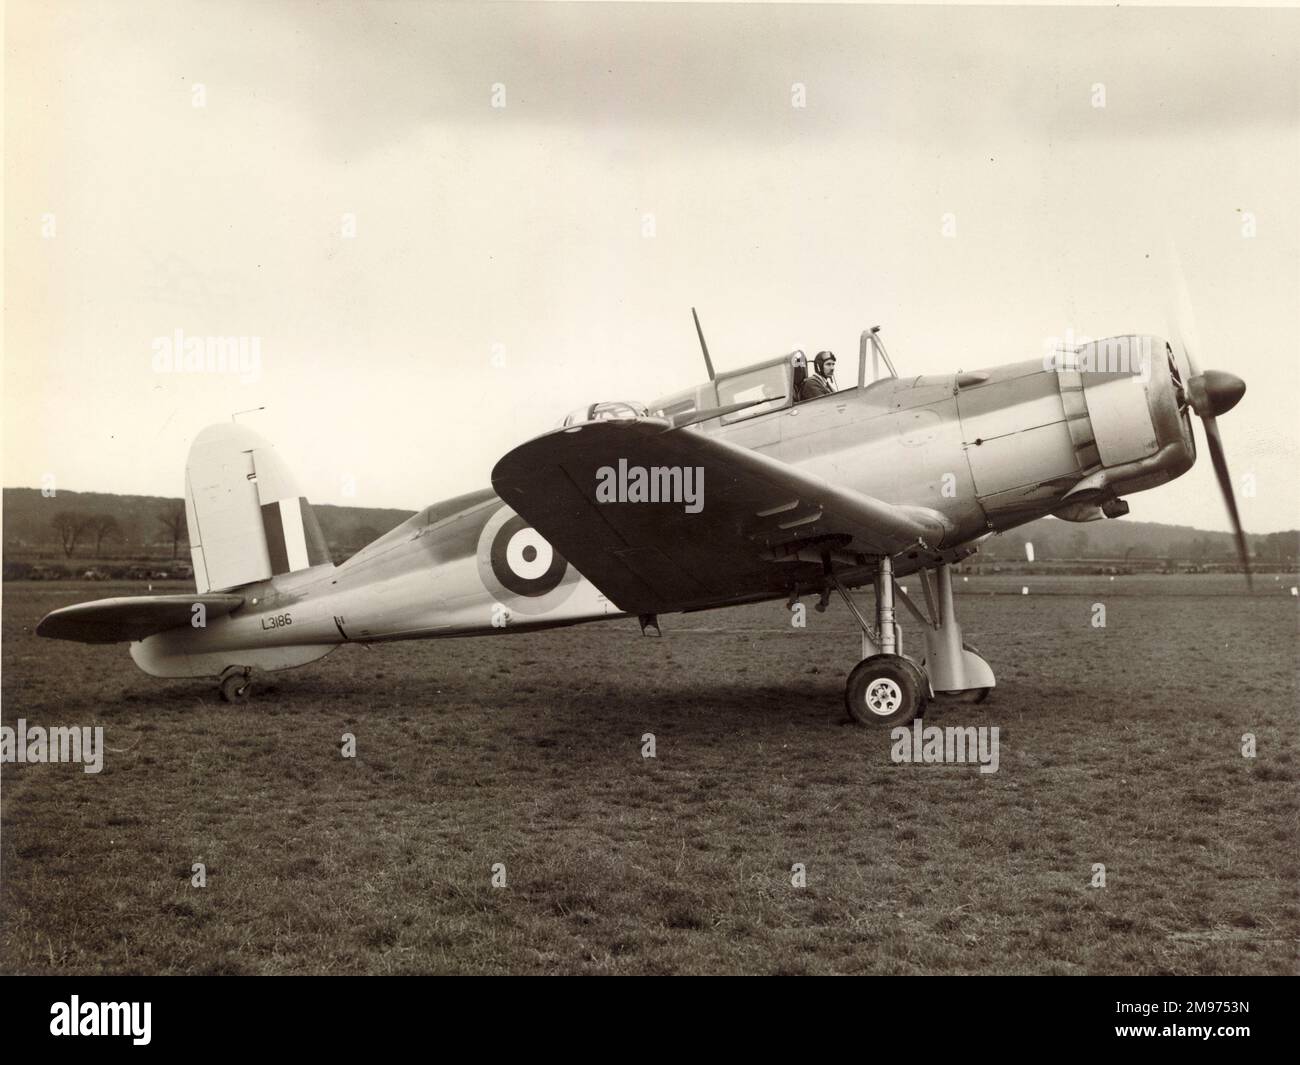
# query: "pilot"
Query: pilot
{"points": [[821, 383]]}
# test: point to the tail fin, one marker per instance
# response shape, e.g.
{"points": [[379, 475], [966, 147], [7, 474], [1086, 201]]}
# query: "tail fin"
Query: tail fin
{"points": [[246, 519]]}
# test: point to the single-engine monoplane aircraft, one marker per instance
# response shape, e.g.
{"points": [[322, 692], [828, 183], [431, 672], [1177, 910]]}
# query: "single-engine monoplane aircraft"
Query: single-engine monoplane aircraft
{"points": [[730, 492]]}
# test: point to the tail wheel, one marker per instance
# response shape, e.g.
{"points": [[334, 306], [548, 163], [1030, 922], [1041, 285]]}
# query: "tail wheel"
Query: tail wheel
{"points": [[235, 687], [885, 690]]}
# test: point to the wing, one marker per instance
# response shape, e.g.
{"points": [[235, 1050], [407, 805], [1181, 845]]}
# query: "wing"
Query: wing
{"points": [[762, 525], [130, 617]]}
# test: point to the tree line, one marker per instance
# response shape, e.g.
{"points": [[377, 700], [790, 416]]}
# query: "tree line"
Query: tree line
{"points": [[73, 527]]}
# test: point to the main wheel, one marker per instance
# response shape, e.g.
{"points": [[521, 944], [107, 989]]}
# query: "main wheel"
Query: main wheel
{"points": [[235, 687], [885, 690]]}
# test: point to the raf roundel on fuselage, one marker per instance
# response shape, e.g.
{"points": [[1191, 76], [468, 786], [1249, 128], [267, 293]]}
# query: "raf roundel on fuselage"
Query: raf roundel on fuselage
{"points": [[523, 561], [520, 568]]}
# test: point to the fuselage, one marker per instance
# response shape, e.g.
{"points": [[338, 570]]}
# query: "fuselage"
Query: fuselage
{"points": [[987, 450]]}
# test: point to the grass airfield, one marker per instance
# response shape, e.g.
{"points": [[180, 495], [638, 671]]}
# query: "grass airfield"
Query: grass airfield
{"points": [[1118, 745]]}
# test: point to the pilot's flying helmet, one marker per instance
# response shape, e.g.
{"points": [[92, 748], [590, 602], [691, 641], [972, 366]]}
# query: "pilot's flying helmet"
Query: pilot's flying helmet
{"points": [[820, 361]]}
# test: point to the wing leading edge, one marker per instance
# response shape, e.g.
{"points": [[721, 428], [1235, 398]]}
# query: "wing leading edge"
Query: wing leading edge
{"points": [[762, 524], [131, 617]]}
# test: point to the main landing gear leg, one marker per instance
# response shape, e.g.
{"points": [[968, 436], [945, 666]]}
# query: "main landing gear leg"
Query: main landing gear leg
{"points": [[955, 668], [884, 688]]}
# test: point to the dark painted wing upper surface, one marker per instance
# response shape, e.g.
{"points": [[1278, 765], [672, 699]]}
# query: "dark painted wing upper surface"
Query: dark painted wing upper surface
{"points": [[762, 525], [128, 618]]}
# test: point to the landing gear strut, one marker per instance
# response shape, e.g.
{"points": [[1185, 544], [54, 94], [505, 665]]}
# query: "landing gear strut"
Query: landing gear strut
{"points": [[236, 683], [888, 688]]}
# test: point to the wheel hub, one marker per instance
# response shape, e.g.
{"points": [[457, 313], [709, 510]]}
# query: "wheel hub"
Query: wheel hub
{"points": [[884, 696]]}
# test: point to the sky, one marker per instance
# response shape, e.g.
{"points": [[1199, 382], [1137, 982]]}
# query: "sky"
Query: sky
{"points": [[430, 278]]}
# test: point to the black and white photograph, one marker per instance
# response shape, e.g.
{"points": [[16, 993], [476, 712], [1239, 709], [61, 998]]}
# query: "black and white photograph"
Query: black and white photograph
{"points": [[702, 489]]}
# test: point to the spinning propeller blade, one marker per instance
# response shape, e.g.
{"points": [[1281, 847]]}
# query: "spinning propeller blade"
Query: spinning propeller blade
{"points": [[1209, 394]]}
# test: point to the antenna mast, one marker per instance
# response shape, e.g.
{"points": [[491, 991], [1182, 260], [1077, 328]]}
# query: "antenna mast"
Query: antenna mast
{"points": [[703, 346]]}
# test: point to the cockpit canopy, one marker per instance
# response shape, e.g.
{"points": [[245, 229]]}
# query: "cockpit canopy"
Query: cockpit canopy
{"points": [[615, 410], [748, 392]]}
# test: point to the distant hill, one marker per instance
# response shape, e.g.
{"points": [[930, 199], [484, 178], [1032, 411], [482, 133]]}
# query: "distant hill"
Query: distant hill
{"points": [[27, 516], [1123, 539]]}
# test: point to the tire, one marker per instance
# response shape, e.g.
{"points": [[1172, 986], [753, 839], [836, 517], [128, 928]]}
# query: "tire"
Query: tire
{"points": [[235, 687], [885, 690]]}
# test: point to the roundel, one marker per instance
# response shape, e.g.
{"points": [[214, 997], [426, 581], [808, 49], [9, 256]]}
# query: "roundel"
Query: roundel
{"points": [[516, 560], [523, 561]]}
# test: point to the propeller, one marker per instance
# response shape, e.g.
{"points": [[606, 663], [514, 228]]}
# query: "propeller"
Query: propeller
{"points": [[1209, 395]]}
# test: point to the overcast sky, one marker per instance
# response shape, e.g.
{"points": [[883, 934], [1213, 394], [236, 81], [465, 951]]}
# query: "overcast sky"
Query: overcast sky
{"points": [[503, 269]]}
